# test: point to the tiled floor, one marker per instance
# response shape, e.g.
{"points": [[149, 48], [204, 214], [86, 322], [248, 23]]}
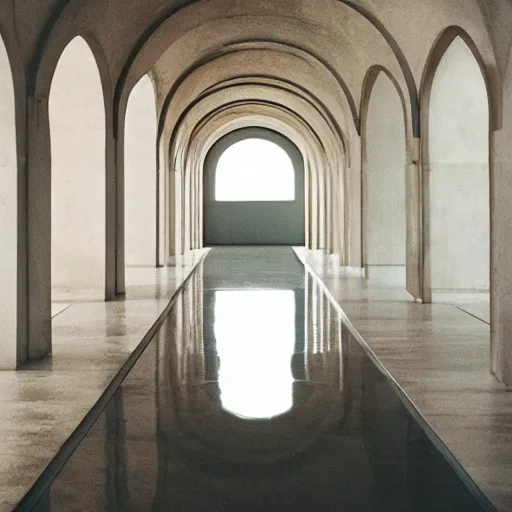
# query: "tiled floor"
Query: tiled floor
{"points": [[42, 405], [439, 355]]}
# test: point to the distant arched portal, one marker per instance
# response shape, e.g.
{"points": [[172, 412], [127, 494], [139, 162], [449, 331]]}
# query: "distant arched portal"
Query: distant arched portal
{"points": [[254, 190]]}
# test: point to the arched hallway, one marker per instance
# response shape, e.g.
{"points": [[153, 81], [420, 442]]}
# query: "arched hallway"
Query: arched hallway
{"points": [[391, 127]]}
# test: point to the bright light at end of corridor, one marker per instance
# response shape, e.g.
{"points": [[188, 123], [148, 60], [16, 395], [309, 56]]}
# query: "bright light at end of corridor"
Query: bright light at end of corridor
{"points": [[255, 333], [255, 170]]}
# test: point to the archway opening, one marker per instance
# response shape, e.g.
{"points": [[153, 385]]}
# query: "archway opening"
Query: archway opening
{"points": [[384, 214], [8, 214], [459, 181], [77, 128], [254, 190], [254, 170], [140, 170]]}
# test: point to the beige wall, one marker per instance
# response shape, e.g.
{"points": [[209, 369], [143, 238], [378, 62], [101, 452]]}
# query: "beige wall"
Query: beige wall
{"points": [[459, 173], [140, 176], [77, 126], [384, 179], [8, 215]]}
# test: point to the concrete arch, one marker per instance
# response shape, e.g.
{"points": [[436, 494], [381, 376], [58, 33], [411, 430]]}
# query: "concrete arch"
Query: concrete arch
{"points": [[486, 65], [78, 135], [175, 140], [272, 125], [140, 179], [320, 162], [272, 87], [39, 191], [213, 137], [159, 25], [371, 77], [443, 44], [384, 156], [181, 104], [275, 46]]}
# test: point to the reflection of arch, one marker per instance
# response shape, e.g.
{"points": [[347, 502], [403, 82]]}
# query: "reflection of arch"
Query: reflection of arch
{"points": [[140, 175], [9, 353], [384, 149], [77, 131], [253, 223], [440, 49]]}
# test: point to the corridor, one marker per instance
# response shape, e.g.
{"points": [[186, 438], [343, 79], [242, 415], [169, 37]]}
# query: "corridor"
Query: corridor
{"points": [[253, 395]]}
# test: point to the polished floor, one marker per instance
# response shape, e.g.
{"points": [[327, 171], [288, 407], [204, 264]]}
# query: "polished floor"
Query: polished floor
{"points": [[439, 355], [254, 396], [46, 404]]}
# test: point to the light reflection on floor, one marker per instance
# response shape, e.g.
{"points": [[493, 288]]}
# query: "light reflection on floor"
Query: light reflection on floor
{"points": [[254, 396], [255, 336]]}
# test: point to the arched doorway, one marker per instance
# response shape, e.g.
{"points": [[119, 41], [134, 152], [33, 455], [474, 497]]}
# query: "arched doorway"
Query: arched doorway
{"points": [[458, 181], [254, 190], [77, 128], [384, 160]]}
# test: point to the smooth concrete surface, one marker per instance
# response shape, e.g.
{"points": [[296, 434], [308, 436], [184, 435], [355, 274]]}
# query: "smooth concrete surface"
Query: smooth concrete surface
{"points": [[254, 396], [78, 132], [476, 304], [439, 356], [459, 173], [501, 349], [384, 161], [42, 404], [9, 348], [140, 175], [58, 308]]}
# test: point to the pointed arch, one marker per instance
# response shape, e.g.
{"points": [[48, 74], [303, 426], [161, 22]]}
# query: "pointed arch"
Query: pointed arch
{"points": [[384, 156], [457, 118], [78, 175]]}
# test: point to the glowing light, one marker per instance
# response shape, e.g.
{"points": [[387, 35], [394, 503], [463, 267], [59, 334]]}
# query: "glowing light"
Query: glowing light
{"points": [[255, 170], [255, 333]]}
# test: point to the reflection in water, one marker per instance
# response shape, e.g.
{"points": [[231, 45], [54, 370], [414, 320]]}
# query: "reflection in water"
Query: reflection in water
{"points": [[255, 338], [335, 437]]}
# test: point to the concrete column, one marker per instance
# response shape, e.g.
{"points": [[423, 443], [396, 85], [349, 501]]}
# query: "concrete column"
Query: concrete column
{"points": [[501, 222], [353, 208], [39, 230]]}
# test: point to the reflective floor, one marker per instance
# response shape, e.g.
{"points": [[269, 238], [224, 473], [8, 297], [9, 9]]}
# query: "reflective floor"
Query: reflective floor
{"points": [[253, 396]]}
